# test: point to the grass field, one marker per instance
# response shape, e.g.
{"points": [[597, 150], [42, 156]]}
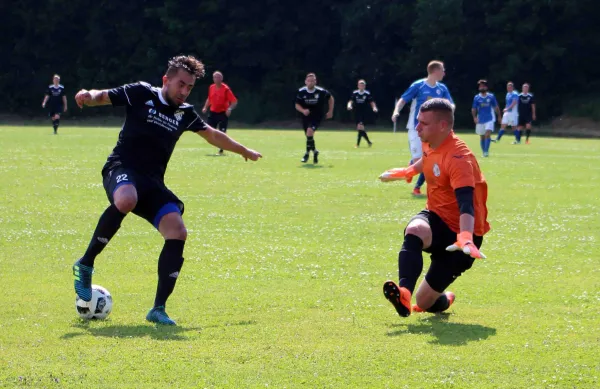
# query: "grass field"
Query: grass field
{"points": [[281, 287]]}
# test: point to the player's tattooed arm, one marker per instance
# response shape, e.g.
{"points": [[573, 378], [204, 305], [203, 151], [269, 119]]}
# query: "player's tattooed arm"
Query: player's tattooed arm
{"points": [[92, 98]]}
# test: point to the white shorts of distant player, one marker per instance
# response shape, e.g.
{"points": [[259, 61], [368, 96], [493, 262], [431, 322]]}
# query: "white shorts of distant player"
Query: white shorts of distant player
{"points": [[481, 129], [510, 119], [414, 142]]}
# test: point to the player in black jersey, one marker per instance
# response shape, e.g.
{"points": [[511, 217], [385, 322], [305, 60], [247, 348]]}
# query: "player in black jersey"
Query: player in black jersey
{"points": [[310, 102], [526, 110], [133, 175], [361, 102], [56, 100]]}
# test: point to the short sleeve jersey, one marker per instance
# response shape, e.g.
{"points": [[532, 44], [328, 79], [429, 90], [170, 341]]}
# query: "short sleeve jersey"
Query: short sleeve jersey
{"points": [[55, 94], [151, 130], [418, 93], [316, 101], [526, 100], [510, 97], [361, 102], [220, 98], [449, 167], [484, 105]]}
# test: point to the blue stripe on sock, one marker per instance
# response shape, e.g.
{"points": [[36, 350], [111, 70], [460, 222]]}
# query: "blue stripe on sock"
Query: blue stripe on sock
{"points": [[166, 209]]}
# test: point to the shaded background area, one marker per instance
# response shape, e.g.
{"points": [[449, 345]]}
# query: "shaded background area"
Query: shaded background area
{"points": [[265, 47]]}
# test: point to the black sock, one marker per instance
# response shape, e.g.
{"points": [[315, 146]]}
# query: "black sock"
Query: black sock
{"points": [[107, 227], [358, 138], [440, 305], [310, 144], [410, 261], [55, 124], [169, 265], [366, 136], [527, 133]]}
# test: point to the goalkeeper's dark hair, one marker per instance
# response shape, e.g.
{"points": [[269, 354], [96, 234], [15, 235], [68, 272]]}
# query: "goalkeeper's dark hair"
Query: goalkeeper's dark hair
{"points": [[443, 109], [188, 63]]}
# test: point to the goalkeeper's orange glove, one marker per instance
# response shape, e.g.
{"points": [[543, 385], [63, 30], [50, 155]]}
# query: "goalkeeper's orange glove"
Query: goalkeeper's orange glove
{"points": [[464, 243], [399, 174]]}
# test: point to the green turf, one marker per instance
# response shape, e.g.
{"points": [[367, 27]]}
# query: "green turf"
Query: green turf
{"points": [[284, 267]]}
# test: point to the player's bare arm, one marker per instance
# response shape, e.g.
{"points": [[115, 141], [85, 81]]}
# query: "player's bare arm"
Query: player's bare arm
{"points": [[206, 105], [302, 110], [330, 111], [498, 114], [399, 105], [349, 105], [223, 141], [533, 115], [64, 100], [92, 98], [45, 101], [374, 106], [511, 106], [474, 114]]}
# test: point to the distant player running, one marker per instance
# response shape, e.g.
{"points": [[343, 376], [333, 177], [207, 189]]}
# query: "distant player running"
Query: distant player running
{"points": [[221, 101], [510, 114], [526, 114], [483, 108], [56, 100], [361, 102], [310, 102], [452, 226], [134, 172], [419, 92]]}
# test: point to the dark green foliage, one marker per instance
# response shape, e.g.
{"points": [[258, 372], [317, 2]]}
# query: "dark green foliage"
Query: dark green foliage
{"points": [[265, 47]]}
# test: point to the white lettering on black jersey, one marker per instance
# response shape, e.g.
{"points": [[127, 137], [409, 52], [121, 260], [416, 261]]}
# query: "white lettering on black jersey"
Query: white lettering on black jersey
{"points": [[55, 94], [361, 101], [524, 104], [151, 130], [316, 101]]}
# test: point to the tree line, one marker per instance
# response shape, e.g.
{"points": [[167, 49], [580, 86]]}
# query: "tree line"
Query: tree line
{"points": [[265, 47]]}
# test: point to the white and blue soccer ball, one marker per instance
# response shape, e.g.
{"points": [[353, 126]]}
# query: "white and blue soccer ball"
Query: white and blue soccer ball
{"points": [[98, 307]]}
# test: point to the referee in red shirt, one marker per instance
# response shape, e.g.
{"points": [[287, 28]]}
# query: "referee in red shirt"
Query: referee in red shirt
{"points": [[221, 101]]}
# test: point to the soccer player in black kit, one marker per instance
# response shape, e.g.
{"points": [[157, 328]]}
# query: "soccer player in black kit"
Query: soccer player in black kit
{"points": [[56, 100], [526, 110], [133, 175], [361, 102], [310, 102]]}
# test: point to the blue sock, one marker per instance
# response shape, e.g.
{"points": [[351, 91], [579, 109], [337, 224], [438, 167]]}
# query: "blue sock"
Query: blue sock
{"points": [[518, 135], [500, 133], [420, 180], [488, 142], [482, 144]]}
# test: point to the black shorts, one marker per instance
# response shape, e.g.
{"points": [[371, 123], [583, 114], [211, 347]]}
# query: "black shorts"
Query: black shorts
{"points": [[218, 119], [155, 200], [360, 117], [524, 119], [445, 266], [55, 110], [310, 122]]}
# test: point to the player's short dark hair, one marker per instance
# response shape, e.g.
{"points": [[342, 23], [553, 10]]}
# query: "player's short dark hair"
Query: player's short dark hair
{"points": [[434, 65], [510, 83], [311, 75], [482, 81], [526, 83], [188, 63], [442, 107]]}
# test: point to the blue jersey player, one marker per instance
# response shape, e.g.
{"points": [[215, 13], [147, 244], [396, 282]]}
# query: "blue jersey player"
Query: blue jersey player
{"points": [[510, 115], [419, 92], [483, 109]]}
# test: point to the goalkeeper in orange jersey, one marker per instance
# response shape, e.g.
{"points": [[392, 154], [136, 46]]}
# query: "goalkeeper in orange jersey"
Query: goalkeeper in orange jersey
{"points": [[452, 226]]}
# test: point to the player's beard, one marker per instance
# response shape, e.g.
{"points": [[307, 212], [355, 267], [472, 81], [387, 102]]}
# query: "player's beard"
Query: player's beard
{"points": [[172, 102]]}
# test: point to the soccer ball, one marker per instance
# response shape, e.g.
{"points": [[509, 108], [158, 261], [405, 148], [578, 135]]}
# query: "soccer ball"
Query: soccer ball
{"points": [[98, 308]]}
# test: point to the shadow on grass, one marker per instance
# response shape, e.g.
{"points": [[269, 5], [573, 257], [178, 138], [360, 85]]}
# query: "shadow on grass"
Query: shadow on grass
{"points": [[215, 155], [313, 166], [158, 332], [445, 332]]}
